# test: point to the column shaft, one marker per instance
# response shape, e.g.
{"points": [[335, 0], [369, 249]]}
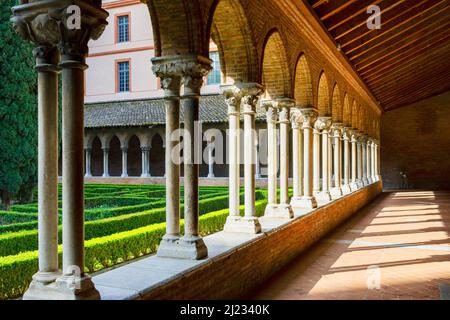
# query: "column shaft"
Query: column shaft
{"points": [[124, 162]]}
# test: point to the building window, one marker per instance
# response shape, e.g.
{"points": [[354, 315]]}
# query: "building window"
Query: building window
{"points": [[123, 76], [215, 74], [123, 28]]}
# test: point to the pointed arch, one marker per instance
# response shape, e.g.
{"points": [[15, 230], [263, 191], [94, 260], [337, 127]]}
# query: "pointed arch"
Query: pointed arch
{"points": [[347, 112], [336, 105], [303, 92], [275, 69], [228, 28], [323, 98], [115, 157]]}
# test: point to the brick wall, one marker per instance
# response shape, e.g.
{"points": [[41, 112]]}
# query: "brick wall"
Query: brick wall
{"points": [[416, 139], [235, 274]]}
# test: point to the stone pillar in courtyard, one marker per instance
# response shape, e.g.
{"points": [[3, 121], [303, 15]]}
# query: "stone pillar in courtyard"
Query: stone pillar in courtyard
{"points": [[346, 136], [33, 22], [124, 150], [249, 94], [88, 153], [105, 162], [210, 158], [309, 116], [169, 73], [297, 157], [336, 129], [145, 172], [369, 160], [354, 154], [365, 181], [323, 125]]}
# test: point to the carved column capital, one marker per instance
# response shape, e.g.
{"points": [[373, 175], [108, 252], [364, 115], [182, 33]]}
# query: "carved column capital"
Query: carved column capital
{"points": [[250, 93], [323, 123], [346, 133], [336, 128], [309, 117], [271, 111], [67, 24], [296, 118], [232, 97], [284, 107]]}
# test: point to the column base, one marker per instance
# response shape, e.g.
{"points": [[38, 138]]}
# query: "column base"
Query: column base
{"points": [[124, 176], [354, 186], [308, 202], [211, 175], [323, 196], [279, 211], [369, 180], [105, 176], [242, 225], [336, 192], [346, 189], [146, 175], [88, 175], [192, 248], [365, 182], [64, 288]]}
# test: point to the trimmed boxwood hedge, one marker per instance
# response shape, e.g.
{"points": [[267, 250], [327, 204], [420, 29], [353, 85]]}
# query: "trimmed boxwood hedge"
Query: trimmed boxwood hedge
{"points": [[16, 242], [16, 271]]}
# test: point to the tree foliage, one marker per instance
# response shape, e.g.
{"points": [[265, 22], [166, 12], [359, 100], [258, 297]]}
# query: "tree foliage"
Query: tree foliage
{"points": [[18, 110]]}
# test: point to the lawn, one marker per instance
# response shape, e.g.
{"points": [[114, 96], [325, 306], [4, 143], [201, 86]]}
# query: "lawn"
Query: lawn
{"points": [[122, 222]]}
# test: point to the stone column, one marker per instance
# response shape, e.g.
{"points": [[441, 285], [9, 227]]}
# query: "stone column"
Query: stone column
{"points": [[272, 158], [33, 21], [145, 162], [323, 125], [194, 69], [346, 135], [353, 141], [372, 160], [309, 116], [210, 159], [232, 97], [88, 153], [124, 161], [336, 191], [360, 160], [316, 160], [330, 159], [297, 157], [47, 60], [258, 162], [365, 182], [167, 69], [284, 106], [249, 93], [369, 160], [105, 162]]}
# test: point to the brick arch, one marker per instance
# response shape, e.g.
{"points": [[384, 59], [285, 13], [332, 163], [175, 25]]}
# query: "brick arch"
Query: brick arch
{"points": [[323, 97], [303, 92], [134, 156], [347, 112], [337, 111], [115, 157], [355, 115], [275, 69], [229, 29], [97, 157], [179, 33]]}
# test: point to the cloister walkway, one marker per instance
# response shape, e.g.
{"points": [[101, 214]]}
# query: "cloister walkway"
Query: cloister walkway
{"points": [[401, 239]]}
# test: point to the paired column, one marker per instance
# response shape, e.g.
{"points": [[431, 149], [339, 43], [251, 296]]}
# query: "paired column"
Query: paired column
{"points": [[354, 172], [316, 160], [172, 70], [32, 22], [297, 157], [233, 100], [249, 93], [369, 160], [309, 116], [88, 154], [145, 162], [323, 125], [364, 160], [346, 136], [336, 191], [360, 160], [272, 157], [124, 150], [105, 162]]}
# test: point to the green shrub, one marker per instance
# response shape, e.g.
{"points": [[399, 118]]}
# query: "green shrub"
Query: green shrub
{"points": [[16, 271], [16, 242]]}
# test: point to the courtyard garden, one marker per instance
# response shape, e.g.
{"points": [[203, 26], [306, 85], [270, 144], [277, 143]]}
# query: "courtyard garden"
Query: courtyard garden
{"points": [[123, 222]]}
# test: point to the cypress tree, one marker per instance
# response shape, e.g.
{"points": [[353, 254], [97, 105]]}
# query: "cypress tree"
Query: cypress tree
{"points": [[18, 111]]}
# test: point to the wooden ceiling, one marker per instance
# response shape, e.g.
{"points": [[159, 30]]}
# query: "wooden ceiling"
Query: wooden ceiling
{"points": [[405, 61]]}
